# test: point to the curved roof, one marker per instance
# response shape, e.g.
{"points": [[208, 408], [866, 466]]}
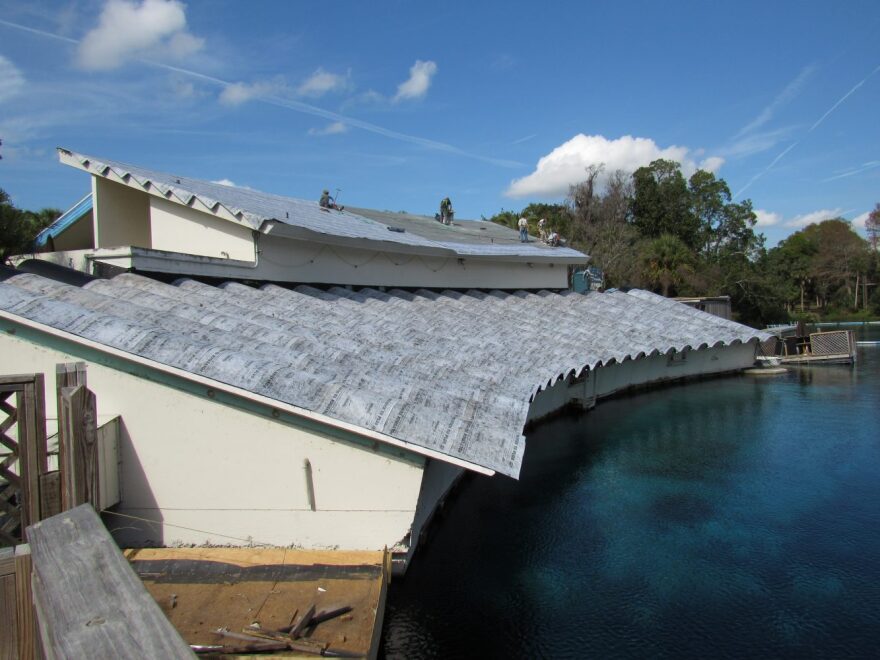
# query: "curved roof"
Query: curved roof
{"points": [[452, 372], [255, 209]]}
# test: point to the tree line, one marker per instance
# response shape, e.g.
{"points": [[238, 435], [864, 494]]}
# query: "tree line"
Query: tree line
{"points": [[19, 228], [658, 230]]}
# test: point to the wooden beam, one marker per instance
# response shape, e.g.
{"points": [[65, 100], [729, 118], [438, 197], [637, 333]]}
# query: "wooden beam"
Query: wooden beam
{"points": [[89, 602], [25, 603], [79, 472], [8, 616]]}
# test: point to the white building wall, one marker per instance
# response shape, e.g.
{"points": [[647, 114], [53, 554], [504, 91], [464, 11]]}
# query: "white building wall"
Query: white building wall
{"points": [[288, 260], [120, 214], [209, 473], [607, 380], [178, 228]]}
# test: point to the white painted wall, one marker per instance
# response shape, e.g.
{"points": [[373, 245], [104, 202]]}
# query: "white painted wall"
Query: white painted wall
{"points": [[78, 236], [121, 215], [288, 260], [209, 472], [178, 228], [607, 380]]}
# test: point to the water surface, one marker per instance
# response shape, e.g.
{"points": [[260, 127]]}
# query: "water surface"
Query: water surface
{"points": [[733, 517]]}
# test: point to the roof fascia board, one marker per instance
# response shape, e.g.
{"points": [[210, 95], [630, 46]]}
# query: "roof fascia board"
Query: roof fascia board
{"points": [[278, 410], [193, 202]]}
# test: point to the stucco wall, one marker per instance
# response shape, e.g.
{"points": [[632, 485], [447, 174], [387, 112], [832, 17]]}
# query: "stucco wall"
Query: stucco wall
{"points": [[177, 228], [214, 474], [121, 215], [287, 260], [79, 236]]}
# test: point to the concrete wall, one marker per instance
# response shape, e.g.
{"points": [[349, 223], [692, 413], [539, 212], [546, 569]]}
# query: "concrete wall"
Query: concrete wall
{"points": [[288, 260], [209, 473], [121, 215], [178, 228]]}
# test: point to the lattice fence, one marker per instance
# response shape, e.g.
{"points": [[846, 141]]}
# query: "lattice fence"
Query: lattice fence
{"points": [[23, 457], [836, 342]]}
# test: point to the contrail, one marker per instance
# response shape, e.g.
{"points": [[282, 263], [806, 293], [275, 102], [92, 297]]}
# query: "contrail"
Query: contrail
{"points": [[870, 165], [809, 130], [299, 106]]}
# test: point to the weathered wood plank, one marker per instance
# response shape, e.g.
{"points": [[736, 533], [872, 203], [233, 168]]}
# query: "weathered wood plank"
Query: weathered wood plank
{"points": [[31, 451], [50, 494], [8, 624], [24, 602], [90, 603], [79, 471]]}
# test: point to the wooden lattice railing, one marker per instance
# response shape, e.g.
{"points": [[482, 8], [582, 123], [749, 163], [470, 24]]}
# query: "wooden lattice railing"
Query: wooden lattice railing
{"points": [[23, 459]]}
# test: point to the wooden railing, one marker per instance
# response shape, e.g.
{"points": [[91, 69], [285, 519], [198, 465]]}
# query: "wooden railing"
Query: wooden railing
{"points": [[30, 492]]}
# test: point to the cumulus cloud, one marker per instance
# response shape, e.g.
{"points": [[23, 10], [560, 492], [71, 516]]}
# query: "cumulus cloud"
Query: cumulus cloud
{"points": [[859, 220], [336, 128], [238, 93], [11, 80], [225, 182], [418, 83], [767, 218], [129, 29], [814, 217], [322, 82], [567, 163]]}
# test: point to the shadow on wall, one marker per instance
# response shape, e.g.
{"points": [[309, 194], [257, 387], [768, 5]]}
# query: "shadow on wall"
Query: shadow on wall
{"points": [[136, 522]]}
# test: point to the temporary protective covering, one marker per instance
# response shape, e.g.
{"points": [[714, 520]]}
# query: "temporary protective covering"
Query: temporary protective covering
{"points": [[253, 208], [451, 372]]}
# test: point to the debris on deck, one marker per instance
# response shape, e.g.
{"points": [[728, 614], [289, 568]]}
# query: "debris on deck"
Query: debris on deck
{"points": [[273, 601]]}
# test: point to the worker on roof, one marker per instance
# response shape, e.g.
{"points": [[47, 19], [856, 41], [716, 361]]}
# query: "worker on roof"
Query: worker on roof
{"points": [[523, 230], [446, 211], [542, 229], [327, 202]]}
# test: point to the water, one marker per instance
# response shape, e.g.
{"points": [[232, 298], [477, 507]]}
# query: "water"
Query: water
{"points": [[736, 517]]}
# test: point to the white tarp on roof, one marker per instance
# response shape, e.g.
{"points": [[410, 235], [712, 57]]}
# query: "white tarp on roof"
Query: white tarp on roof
{"points": [[451, 372]]}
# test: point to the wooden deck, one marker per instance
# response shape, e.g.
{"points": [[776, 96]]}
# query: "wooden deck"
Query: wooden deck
{"points": [[248, 591]]}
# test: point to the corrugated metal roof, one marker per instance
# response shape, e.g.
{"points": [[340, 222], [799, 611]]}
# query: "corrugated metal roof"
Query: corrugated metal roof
{"points": [[254, 208], [451, 372]]}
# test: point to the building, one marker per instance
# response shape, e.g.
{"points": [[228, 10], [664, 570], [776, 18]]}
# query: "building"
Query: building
{"points": [[262, 412], [155, 222]]}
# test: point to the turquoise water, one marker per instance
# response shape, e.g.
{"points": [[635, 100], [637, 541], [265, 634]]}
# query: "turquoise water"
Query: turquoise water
{"points": [[734, 517]]}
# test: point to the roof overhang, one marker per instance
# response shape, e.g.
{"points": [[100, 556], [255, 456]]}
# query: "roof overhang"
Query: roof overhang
{"points": [[210, 388]]}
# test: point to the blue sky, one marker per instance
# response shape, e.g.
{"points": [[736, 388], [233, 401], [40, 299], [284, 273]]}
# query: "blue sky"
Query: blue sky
{"points": [[494, 104]]}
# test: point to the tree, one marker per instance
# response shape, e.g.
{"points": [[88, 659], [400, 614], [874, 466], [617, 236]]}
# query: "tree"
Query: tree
{"points": [[18, 228], [872, 226], [666, 263], [662, 203]]}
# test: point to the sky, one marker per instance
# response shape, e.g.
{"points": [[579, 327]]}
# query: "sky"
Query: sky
{"points": [[494, 104]]}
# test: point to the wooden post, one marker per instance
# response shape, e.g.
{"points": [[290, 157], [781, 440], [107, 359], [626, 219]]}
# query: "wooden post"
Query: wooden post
{"points": [[69, 374], [79, 472], [25, 602], [88, 601], [8, 618]]}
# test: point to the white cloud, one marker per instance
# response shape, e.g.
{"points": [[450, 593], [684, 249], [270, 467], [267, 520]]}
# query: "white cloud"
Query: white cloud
{"points": [[814, 217], [238, 93], [566, 164], [322, 82], [767, 218], [128, 29], [419, 81], [11, 79], [336, 128], [224, 182], [859, 220]]}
